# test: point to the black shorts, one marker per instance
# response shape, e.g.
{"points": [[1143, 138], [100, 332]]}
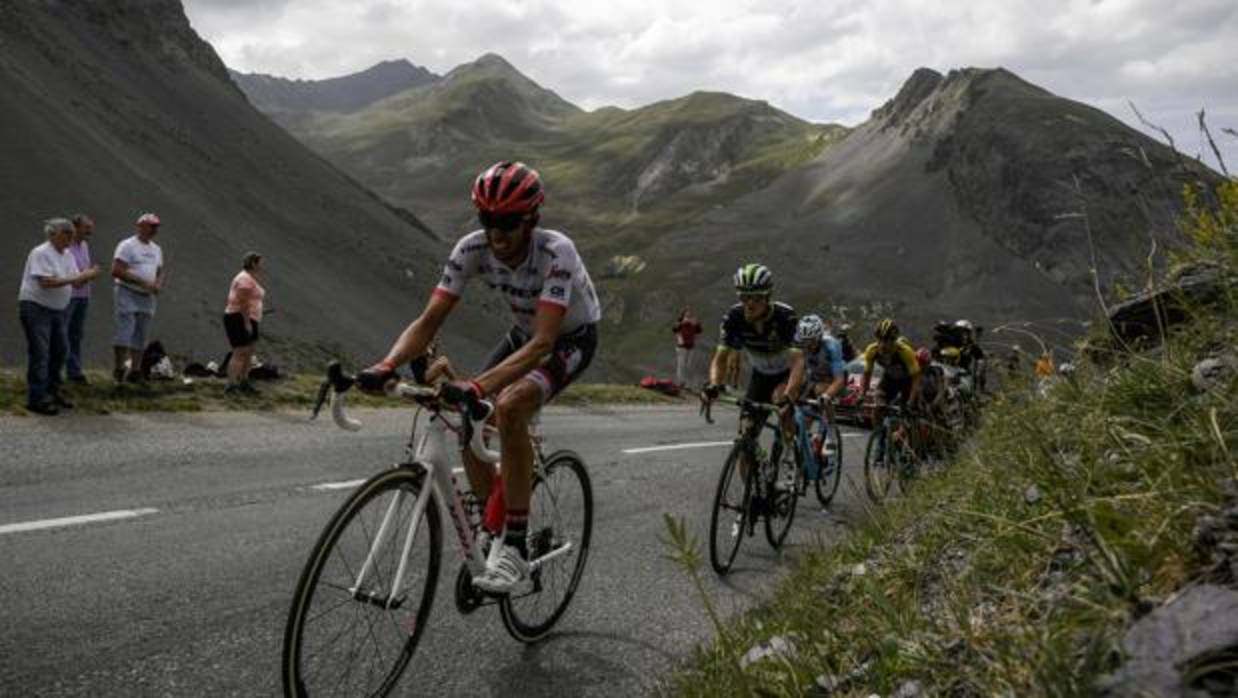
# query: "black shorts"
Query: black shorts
{"points": [[571, 355], [238, 336], [894, 391], [761, 386]]}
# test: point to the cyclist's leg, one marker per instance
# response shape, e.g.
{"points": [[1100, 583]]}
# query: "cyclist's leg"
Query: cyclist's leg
{"points": [[514, 410], [480, 474]]}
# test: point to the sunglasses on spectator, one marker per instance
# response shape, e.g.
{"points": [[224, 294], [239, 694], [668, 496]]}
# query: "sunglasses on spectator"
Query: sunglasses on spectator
{"points": [[505, 222]]}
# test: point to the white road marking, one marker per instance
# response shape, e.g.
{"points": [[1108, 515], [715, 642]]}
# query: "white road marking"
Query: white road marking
{"points": [[675, 447], [75, 520], [338, 485]]}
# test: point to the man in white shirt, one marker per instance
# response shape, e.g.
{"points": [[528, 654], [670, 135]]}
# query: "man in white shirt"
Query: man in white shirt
{"points": [[46, 285], [137, 269]]}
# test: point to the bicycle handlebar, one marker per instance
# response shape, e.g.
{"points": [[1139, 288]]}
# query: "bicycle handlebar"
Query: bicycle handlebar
{"points": [[337, 385]]}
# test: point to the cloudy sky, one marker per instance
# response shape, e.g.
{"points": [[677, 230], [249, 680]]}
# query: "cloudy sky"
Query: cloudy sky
{"points": [[821, 60]]}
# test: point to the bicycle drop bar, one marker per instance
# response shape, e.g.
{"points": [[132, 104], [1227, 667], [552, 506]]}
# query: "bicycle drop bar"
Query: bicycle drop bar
{"points": [[338, 384]]}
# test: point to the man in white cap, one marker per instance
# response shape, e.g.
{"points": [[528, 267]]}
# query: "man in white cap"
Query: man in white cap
{"points": [[137, 268]]}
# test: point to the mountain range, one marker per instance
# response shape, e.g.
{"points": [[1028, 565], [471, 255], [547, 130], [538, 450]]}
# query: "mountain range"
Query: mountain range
{"points": [[970, 194]]}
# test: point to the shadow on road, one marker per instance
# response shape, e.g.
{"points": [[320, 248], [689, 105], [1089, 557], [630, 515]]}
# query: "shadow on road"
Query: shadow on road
{"points": [[577, 663]]}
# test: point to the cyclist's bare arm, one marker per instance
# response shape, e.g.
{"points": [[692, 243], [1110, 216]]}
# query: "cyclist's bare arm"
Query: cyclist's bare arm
{"points": [[546, 326], [413, 341], [796, 380], [717, 365]]}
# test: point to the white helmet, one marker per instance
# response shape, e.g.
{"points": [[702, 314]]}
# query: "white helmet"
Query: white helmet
{"points": [[810, 329], [965, 325]]}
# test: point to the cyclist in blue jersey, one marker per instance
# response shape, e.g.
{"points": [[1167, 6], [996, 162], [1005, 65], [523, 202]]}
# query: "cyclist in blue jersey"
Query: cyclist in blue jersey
{"points": [[823, 361]]}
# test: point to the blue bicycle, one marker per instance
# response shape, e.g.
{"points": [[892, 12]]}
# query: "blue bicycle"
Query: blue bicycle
{"points": [[818, 450]]}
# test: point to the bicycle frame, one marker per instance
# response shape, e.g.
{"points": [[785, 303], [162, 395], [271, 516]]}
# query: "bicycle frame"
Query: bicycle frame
{"points": [[431, 454], [803, 421]]}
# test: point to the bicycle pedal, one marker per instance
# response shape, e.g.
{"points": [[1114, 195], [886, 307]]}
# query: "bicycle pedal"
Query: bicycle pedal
{"points": [[468, 597]]}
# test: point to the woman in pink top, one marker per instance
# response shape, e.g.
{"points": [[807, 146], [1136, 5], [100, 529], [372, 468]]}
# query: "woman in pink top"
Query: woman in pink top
{"points": [[241, 318]]}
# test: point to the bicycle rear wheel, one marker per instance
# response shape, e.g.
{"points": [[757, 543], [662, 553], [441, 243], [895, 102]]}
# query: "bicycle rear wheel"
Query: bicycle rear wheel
{"points": [[560, 513], [342, 638], [783, 493], [877, 473], [732, 507], [904, 459], [831, 470]]}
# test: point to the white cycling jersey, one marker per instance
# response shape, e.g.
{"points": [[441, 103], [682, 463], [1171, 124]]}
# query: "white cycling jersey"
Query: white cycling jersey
{"points": [[553, 273]]}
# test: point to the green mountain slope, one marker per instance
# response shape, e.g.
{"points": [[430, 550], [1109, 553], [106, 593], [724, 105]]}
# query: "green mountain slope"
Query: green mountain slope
{"points": [[971, 194]]}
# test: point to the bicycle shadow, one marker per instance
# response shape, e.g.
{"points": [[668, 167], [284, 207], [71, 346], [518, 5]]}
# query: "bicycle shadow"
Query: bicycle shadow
{"points": [[579, 663]]}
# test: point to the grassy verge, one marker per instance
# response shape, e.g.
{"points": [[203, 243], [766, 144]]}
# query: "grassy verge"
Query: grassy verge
{"points": [[1015, 570], [102, 396]]}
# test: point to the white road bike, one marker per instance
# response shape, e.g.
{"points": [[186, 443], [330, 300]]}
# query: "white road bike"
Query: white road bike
{"points": [[364, 596]]}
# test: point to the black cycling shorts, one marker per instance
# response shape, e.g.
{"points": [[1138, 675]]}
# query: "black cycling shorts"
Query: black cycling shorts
{"points": [[238, 336], [761, 386], [894, 391], [571, 355]]}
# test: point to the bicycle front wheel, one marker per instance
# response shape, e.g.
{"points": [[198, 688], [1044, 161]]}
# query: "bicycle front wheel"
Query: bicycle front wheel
{"points": [[732, 507], [831, 471], [783, 493], [352, 628], [560, 519], [877, 472]]}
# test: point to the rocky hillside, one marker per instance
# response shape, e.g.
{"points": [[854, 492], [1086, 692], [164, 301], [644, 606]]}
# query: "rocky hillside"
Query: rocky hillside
{"points": [[118, 108], [971, 194], [346, 93]]}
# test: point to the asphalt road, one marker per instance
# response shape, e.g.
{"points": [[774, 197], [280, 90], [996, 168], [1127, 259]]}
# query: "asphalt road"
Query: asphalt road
{"points": [[188, 596]]}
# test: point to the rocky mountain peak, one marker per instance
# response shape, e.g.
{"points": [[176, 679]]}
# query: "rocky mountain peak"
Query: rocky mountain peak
{"points": [[917, 88]]}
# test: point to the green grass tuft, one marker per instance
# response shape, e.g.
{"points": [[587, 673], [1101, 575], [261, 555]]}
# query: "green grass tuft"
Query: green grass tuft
{"points": [[102, 396]]}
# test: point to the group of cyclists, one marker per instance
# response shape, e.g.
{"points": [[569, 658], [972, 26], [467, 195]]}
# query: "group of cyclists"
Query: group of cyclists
{"points": [[799, 358], [554, 307]]}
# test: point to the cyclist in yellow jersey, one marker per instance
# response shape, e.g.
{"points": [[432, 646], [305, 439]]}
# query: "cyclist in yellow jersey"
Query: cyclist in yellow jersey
{"points": [[900, 372]]}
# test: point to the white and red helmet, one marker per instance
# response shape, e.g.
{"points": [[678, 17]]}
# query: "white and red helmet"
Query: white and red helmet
{"points": [[508, 187]]}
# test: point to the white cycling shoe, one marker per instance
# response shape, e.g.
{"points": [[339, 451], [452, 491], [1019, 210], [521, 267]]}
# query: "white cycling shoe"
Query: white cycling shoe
{"points": [[504, 573]]}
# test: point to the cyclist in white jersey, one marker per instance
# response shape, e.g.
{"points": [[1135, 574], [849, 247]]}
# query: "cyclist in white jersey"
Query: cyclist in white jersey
{"points": [[555, 311]]}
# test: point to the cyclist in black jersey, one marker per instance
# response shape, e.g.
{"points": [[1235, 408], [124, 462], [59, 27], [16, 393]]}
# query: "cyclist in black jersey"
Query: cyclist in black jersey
{"points": [[765, 331]]}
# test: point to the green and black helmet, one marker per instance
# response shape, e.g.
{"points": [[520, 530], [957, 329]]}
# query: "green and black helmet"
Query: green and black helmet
{"points": [[753, 278]]}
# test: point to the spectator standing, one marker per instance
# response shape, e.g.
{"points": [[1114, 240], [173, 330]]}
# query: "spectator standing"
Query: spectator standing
{"points": [[44, 295], [686, 328], [137, 268], [83, 228], [241, 317]]}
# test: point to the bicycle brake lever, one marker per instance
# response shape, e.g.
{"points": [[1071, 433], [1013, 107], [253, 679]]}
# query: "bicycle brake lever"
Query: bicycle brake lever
{"points": [[322, 398]]}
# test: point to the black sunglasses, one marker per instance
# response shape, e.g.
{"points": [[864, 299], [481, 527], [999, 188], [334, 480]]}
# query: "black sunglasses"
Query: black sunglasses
{"points": [[500, 221]]}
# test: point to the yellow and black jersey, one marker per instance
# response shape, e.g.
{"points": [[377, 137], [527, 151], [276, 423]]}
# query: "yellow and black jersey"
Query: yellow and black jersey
{"points": [[899, 364]]}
